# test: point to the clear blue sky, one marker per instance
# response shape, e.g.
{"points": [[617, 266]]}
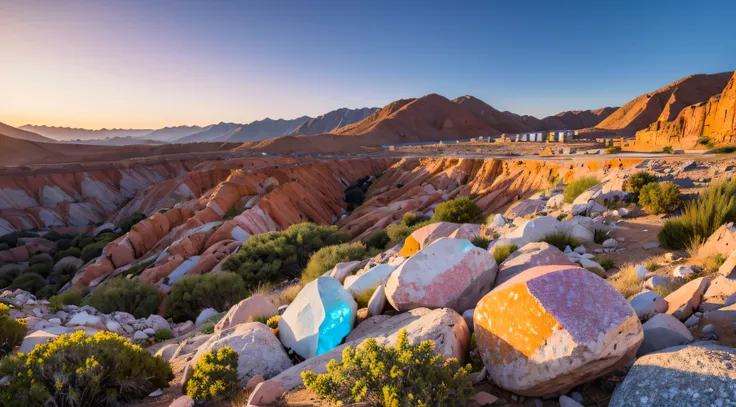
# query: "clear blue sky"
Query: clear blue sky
{"points": [[154, 63]]}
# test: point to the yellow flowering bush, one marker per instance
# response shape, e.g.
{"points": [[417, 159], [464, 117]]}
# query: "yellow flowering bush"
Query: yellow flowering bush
{"points": [[215, 375], [12, 332], [80, 370], [273, 322], [403, 376]]}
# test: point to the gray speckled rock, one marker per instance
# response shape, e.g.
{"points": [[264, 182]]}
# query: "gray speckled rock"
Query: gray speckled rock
{"points": [[700, 374]]}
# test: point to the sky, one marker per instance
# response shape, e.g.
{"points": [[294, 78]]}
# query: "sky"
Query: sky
{"points": [[149, 64]]}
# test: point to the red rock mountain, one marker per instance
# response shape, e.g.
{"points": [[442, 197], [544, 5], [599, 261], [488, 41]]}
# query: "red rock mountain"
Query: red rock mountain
{"points": [[710, 121], [666, 103]]}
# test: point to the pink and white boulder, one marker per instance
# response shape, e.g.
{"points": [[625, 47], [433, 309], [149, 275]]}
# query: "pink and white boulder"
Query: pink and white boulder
{"points": [[449, 273]]}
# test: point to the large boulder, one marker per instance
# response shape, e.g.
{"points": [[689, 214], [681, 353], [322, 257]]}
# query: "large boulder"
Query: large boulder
{"points": [[259, 351], [531, 231], [720, 293], [551, 328], [526, 207], [700, 374], [723, 323], [663, 331], [320, 316], [531, 255], [247, 310], [371, 278], [722, 241], [445, 327], [342, 270], [449, 273], [686, 299]]}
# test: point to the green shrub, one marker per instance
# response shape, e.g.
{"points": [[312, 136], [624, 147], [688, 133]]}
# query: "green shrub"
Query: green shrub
{"points": [[704, 141], [636, 182], [64, 244], [234, 211], [43, 259], [215, 375], [70, 252], [598, 272], [660, 197], [39, 268], [8, 273], [397, 233], [84, 242], [501, 253], [80, 370], [559, 240], [405, 375], [377, 240], [481, 242], [668, 150], [12, 332], [613, 150], [131, 221], [577, 187], [714, 206], [135, 297], [164, 334], [192, 294], [364, 297], [30, 282], [92, 251], [724, 150], [273, 322], [276, 256], [412, 219], [607, 263], [459, 210], [328, 257], [714, 262], [600, 236], [45, 292], [68, 297], [68, 266]]}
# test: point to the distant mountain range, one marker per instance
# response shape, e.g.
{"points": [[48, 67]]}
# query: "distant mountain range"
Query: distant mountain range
{"points": [[71, 133]]}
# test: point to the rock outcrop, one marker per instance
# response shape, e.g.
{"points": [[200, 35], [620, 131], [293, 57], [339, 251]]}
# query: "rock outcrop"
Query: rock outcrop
{"points": [[569, 326]]}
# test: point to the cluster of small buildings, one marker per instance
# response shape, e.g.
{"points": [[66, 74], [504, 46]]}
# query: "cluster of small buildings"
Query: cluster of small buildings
{"points": [[559, 136]]}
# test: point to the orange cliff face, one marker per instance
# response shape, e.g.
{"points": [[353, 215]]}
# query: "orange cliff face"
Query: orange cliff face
{"points": [[712, 121]]}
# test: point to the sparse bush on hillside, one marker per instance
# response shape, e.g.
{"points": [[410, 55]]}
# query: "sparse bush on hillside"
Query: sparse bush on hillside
{"points": [[78, 370], [613, 150], [715, 206], [626, 282], [724, 150], [70, 252], [42, 258], [328, 257], [413, 219], [39, 268], [459, 210], [599, 236], [404, 375], [135, 297], [660, 198], [64, 244], [131, 221], [276, 256], [668, 150], [92, 251], [501, 253], [192, 294], [364, 297], [714, 262], [68, 266], [481, 242], [636, 182], [577, 187], [8, 273], [68, 297], [30, 282], [215, 375], [377, 240]]}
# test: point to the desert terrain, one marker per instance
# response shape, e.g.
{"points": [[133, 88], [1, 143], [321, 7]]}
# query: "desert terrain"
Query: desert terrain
{"points": [[329, 260]]}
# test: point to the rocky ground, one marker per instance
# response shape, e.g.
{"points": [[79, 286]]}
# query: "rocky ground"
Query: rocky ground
{"points": [[609, 317]]}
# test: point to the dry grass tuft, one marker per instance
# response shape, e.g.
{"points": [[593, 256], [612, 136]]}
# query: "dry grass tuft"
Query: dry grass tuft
{"points": [[287, 295], [363, 298], [626, 282]]}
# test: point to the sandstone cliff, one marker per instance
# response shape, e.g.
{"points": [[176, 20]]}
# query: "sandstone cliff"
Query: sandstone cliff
{"points": [[665, 103], [696, 126]]}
